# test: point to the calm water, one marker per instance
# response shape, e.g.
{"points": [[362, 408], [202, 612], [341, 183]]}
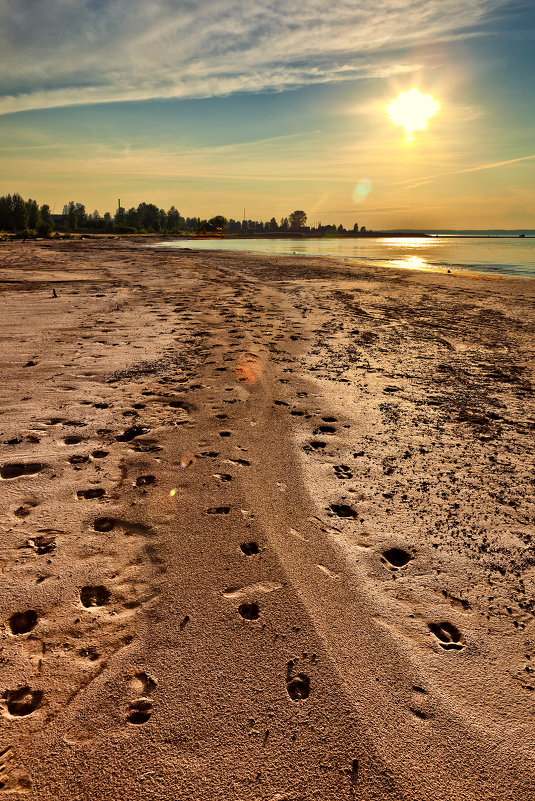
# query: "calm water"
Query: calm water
{"points": [[492, 256]]}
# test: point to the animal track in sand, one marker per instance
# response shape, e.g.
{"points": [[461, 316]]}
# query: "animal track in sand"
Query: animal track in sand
{"points": [[140, 711], [43, 544], [315, 444], [249, 611], [93, 492], [218, 510], [23, 622], [22, 702], [448, 635], [12, 778], [104, 523], [342, 471], [249, 548], [99, 454], [72, 440], [144, 481], [142, 683], [298, 686], [17, 469], [78, 459], [394, 558], [223, 476], [132, 432], [97, 595], [343, 510], [241, 462], [325, 429]]}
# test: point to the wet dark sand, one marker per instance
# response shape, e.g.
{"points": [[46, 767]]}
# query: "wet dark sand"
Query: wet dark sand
{"points": [[267, 529]]}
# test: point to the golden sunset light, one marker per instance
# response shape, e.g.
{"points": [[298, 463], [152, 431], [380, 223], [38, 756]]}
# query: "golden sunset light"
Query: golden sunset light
{"points": [[412, 110]]}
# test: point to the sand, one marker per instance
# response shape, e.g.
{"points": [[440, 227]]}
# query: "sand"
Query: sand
{"points": [[267, 528]]}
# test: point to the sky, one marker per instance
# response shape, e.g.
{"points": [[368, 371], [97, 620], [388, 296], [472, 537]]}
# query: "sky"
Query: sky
{"points": [[232, 107]]}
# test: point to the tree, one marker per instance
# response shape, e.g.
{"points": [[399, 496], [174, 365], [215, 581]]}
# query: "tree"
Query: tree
{"points": [[120, 215], [32, 210], [173, 219], [284, 226], [19, 214], [45, 223], [297, 219], [273, 224], [218, 223], [356, 228]]}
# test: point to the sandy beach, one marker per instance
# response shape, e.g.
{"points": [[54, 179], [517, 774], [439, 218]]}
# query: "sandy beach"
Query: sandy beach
{"points": [[267, 529]]}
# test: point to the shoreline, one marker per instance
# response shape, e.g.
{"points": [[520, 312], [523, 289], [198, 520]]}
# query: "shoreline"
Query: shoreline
{"points": [[274, 517]]}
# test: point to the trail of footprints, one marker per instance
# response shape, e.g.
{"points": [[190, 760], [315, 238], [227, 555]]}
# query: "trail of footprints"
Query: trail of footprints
{"points": [[445, 633]]}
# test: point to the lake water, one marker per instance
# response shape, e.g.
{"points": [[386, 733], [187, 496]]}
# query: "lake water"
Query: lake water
{"points": [[508, 256]]}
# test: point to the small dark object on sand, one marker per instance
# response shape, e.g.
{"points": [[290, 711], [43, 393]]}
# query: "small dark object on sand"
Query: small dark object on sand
{"points": [[54, 293]]}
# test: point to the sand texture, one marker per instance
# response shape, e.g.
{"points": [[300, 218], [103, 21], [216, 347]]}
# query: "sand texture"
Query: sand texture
{"points": [[266, 529]]}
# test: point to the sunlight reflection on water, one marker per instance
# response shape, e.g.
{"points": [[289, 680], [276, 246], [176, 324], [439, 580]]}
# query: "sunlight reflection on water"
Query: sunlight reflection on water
{"points": [[510, 256]]}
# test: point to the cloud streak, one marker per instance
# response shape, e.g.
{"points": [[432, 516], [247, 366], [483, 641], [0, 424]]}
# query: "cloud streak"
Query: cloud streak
{"points": [[61, 53], [493, 165]]}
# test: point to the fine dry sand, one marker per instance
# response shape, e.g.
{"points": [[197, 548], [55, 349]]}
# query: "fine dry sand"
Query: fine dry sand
{"points": [[267, 529]]}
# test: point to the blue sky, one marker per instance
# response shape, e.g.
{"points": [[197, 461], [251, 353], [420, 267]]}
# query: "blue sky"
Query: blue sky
{"points": [[223, 105]]}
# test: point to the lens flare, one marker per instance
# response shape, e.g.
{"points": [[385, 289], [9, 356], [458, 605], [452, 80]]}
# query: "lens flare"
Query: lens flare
{"points": [[362, 190], [412, 110]]}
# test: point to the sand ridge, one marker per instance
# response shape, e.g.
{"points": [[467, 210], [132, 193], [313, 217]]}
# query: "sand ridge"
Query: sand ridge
{"points": [[267, 528]]}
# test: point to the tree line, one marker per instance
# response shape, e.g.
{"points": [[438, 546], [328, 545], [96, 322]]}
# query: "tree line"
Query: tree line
{"points": [[27, 218]]}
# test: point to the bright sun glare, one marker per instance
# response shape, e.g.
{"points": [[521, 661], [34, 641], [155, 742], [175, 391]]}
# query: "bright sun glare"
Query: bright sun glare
{"points": [[412, 110]]}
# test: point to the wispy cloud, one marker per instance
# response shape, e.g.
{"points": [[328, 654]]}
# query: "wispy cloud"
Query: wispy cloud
{"points": [[493, 165], [61, 53]]}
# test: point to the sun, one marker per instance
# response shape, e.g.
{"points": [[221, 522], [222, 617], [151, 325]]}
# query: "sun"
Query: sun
{"points": [[411, 110]]}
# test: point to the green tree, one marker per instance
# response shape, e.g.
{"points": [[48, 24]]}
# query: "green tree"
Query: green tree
{"points": [[218, 223], [173, 219], [32, 210], [273, 224], [45, 224], [284, 226], [297, 219], [19, 213]]}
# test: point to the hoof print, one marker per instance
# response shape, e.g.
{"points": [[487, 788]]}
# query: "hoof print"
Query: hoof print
{"points": [[395, 558], [298, 687], [140, 711], [95, 596], [22, 702], [23, 622], [343, 510], [249, 611], [17, 469], [449, 637], [249, 548], [94, 492]]}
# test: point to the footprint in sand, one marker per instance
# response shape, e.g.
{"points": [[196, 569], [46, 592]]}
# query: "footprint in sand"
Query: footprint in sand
{"points": [[449, 637], [297, 684], [343, 510], [342, 471], [249, 611], [12, 777], [249, 548], [89, 494], [21, 702], [394, 558], [17, 469], [140, 711], [23, 622], [97, 595]]}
